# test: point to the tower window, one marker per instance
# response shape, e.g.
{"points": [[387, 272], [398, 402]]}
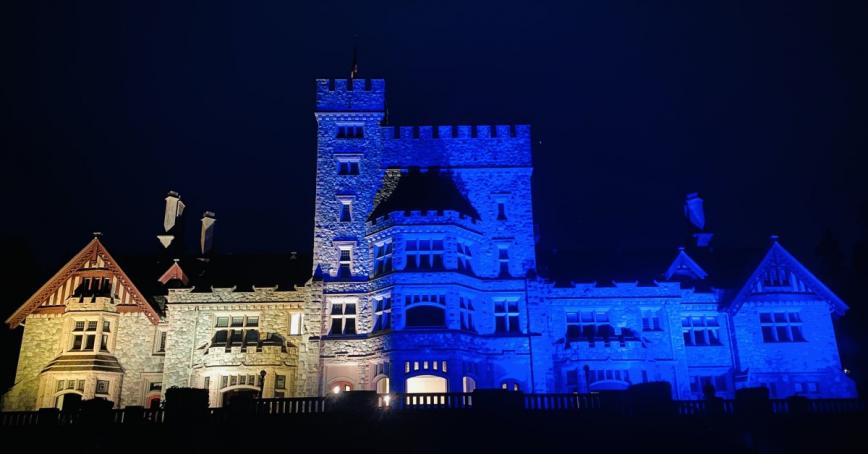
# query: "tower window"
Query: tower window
{"points": [[383, 258], [501, 210], [506, 317], [383, 313], [464, 258], [424, 254], [425, 310], [345, 261], [503, 259], [346, 210], [465, 305], [343, 319], [350, 132], [348, 167]]}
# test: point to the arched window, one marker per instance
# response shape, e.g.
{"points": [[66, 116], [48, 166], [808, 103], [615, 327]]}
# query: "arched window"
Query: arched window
{"points": [[510, 385], [425, 311]]}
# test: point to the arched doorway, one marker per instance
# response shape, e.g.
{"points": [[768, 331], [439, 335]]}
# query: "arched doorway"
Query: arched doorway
{"points": [[68, 402], [426, 384], [239, 394]]}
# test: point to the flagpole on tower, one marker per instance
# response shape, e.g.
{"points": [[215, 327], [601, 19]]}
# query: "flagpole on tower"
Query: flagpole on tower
{"points": [[354, 71]]}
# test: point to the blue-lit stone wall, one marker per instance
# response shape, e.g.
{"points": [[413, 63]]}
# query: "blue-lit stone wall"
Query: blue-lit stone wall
{"points": [[491, 167]]}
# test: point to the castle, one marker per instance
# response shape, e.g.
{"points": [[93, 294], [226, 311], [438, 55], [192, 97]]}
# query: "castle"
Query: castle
{"points": [[424, 279]]}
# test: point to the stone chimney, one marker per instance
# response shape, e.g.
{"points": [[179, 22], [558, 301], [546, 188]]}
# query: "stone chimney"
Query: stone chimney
{"points": [[695, 213], [171, 218], [206, 239]]}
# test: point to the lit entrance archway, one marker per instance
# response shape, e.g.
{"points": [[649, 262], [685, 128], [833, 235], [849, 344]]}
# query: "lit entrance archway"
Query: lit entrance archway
{"points": [[426, 384], [240, 394], [68, 402]]}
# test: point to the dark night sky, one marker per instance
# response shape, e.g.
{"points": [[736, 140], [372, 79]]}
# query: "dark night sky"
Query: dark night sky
{"points": [[759, 106]]}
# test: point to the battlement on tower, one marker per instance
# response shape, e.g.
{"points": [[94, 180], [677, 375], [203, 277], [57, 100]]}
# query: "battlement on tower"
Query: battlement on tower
{"points": [[350, 95], [456, 146]]}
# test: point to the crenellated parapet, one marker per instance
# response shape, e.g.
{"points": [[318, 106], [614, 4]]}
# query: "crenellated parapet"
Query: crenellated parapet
{"points": [[457, 146], [350, 95], [422, 218]]}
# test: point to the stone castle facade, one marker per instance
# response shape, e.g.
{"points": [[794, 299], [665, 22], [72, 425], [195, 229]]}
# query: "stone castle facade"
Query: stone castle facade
{"points": [[423, 280]]}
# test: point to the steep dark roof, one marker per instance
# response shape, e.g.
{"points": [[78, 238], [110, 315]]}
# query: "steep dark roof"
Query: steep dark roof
{"points": [[432, 191]]}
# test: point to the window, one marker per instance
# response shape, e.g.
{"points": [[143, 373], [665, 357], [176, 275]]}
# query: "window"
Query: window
{"points": [[348, 165], [343, 319], [383, 258], [503, 259], [464, 258], [350, 132], [589, 325], [345, 261], [425, 310], [465, 306], [155, 386], [280, 382], [238, 380], [501, 210], [160, 346], [346, 210], [236, 331], [77, 385], [295, 323], [506, 317], [93, 287], [382, 313], [598, 375], [102, 386], [781, 327], [424, 254], [207, 383], [651, 320], [700, 330], [84, 335]]}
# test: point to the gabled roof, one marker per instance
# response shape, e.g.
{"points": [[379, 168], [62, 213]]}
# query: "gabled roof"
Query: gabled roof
{"points": [[684, 266], [778, 262], [94, 256]]}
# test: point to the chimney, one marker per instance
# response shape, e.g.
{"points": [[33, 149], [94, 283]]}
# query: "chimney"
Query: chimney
{"points": [[693, 210], [206, 239], [695, 213], [174, 210]]}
